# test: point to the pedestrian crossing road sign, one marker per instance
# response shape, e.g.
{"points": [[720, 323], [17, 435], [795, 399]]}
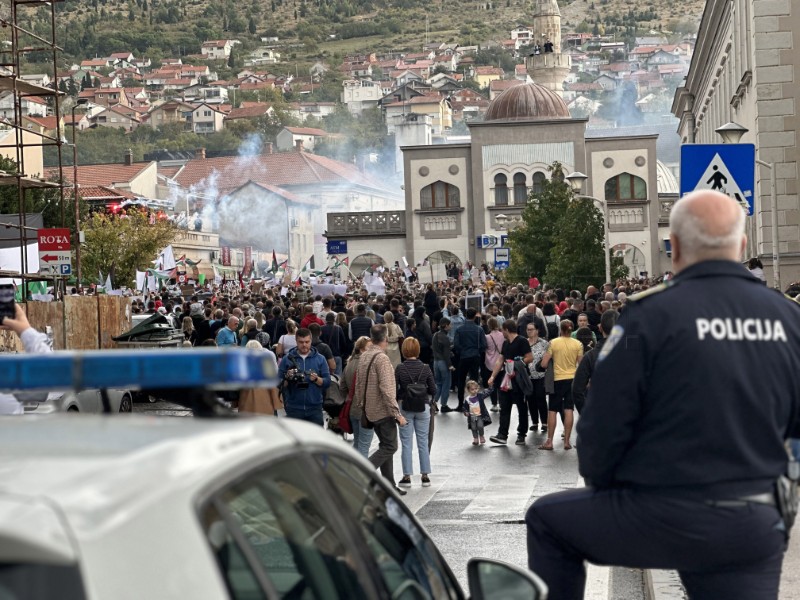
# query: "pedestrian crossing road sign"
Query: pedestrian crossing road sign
{"points": [[727, 168]]}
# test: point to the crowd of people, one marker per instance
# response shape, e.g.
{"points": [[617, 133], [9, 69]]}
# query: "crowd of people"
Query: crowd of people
{"points": [[404, 356]]}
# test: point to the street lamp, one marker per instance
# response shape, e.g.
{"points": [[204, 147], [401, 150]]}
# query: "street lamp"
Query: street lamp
{"points": [[732, 133], [76, 201], [576, 180]]}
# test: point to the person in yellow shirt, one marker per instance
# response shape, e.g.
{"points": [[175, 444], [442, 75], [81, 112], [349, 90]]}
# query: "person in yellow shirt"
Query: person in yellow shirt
{"points": [[566, 354]]}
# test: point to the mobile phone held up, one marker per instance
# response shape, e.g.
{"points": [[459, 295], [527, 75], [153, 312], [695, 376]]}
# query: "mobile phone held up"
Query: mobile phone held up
{"points": [[8, 307]]}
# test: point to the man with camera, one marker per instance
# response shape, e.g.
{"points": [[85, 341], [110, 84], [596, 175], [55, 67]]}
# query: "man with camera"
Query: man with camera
{"points": [[305, 376]]}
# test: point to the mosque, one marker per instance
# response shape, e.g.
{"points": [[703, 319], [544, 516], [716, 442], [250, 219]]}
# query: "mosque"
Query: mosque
{"points": [[458, 196]]}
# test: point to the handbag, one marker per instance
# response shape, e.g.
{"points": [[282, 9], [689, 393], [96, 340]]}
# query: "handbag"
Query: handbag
{"points": [[344, 416], [365, 422]]}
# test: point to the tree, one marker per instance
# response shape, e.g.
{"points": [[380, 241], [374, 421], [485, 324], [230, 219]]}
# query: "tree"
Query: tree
{"points": [[123, 244], [576, 258], [560, 239], [37, 200]]}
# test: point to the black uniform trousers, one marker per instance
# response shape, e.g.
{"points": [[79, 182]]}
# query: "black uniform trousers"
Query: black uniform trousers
{"points": [[721, 552]]}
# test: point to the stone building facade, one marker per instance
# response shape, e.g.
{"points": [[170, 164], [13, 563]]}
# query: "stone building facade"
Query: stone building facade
{"points": [[746, 69], [456, 193]]}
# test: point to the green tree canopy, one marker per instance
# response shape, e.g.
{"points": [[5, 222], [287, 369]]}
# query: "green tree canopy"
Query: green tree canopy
{"points": [[123, 244], [560, 240]]}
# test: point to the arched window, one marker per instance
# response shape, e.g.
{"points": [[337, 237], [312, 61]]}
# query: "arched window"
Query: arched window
{"points": [[500, 190], [626, 187], [520, 189], [366, 261], [440, 195], [538, 182]]}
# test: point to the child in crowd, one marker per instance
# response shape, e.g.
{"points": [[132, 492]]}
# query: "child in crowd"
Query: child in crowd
{"points": [[476, 408]]}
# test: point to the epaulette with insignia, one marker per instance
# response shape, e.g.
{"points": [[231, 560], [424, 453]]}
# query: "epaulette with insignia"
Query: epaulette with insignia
{"points": [[651, 291]]}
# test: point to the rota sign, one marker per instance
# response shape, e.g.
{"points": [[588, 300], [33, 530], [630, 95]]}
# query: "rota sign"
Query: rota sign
{"points": [[54, 252]]}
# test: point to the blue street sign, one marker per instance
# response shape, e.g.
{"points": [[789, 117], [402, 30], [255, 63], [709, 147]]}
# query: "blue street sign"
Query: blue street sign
{"points": [[502, 258], [66, 269], [337, 246], [503, 241], [727, 168]]}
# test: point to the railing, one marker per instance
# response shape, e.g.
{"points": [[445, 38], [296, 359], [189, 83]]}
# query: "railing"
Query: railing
{"points": [[389, 222]]}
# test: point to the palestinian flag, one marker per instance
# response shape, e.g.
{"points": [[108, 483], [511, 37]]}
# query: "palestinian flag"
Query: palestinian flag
{"points": [[309, 266], [274, 268]]}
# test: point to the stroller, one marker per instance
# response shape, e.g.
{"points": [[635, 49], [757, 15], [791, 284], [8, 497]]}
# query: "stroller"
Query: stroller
{"points": [[332, 405]]}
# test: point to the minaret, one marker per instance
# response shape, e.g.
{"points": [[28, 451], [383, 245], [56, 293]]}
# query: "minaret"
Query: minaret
{"points": [[548, 69]]}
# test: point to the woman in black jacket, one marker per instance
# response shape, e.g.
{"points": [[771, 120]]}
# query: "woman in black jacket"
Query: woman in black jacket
{"points": [[424, 334]]}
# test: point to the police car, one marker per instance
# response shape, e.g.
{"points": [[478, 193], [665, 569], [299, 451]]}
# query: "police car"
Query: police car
{"points": [[102, 507]]}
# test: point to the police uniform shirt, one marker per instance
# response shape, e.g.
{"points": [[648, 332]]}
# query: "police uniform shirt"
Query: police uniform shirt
{"points": [[697, 385]]}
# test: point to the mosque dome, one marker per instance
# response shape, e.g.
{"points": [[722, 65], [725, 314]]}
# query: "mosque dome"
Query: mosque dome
{"points": [[528, 102], [667, 184]]}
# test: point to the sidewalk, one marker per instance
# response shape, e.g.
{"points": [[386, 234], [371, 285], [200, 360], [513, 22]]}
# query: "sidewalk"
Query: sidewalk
{"points": [[790, 577]]}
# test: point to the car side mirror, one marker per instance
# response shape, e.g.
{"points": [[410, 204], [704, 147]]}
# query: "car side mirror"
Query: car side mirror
{"points": [[496, 580]]}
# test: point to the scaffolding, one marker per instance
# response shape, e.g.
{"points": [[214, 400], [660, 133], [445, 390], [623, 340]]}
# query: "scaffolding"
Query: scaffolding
{"points": [[18, 42]]}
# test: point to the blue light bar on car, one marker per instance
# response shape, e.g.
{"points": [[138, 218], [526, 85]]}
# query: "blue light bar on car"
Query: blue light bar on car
{"points": [[137, 369]]}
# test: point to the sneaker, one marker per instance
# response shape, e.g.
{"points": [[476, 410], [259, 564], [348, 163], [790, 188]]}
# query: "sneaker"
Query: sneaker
{"points": [[446, 409], [483, 440], [474, 441], [426, 482], [496, 439], [405, 481], [494, 408], [520, 440], [533, 428], [544, 429], [400, 491]]}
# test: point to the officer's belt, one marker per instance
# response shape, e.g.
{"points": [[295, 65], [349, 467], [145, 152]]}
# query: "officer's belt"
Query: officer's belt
{"points": [[767, 498]]}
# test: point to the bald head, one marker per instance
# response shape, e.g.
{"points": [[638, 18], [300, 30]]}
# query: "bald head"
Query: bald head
{"points": [[706, 225]]}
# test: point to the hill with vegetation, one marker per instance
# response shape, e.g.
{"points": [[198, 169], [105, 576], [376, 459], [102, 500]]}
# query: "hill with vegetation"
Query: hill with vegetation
{"points": [[310, 30]]}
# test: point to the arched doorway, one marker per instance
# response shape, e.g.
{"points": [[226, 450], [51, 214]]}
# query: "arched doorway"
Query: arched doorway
{"points": [[362, 262], [438, 264], [631, 257]]}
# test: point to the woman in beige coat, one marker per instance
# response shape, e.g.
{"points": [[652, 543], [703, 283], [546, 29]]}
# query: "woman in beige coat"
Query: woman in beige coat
{"points": [[260, 401], [395, 338]]}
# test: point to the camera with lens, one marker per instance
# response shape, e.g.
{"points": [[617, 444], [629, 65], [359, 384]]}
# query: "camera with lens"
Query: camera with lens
{"points": [[296, 377]]}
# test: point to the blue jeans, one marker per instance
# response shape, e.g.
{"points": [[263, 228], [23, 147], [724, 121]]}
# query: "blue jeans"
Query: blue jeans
{"points": [[441, 375], [362, 438], [310, 414], [417, 426], [338, 361]]}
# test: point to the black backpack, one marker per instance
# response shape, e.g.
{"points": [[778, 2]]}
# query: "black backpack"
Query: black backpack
{"points": [[552, 328], [416, 397]]}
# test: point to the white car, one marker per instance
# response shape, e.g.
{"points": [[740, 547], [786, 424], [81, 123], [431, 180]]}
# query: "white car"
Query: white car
{"points": [[106, 508], [86, 401]]}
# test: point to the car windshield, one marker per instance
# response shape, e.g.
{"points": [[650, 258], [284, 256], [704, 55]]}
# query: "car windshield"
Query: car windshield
{"points": [[30, 581]]}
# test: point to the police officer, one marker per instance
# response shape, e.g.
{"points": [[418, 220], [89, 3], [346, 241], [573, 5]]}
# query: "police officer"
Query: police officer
{"points": [[682, 437]]}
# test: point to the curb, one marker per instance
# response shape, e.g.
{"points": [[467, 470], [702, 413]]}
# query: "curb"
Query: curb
{"points": [[663, 585]]}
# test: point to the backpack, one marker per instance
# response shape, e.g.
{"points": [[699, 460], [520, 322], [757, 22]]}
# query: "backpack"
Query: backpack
{"points": [[416, 397], [552, 327], [334, 398]]}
